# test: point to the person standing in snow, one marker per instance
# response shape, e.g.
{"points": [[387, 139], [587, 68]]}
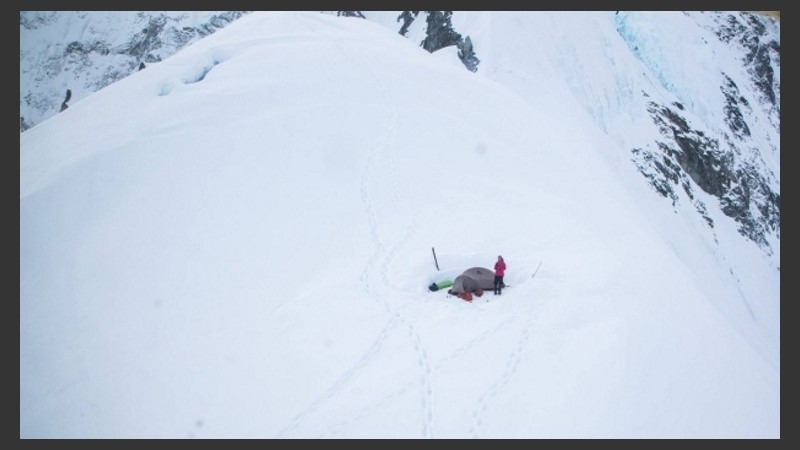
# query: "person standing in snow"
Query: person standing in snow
{"points": [[499, 272]]}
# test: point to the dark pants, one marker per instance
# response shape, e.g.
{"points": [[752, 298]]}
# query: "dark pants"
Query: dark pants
{"points": [[498, 284]]}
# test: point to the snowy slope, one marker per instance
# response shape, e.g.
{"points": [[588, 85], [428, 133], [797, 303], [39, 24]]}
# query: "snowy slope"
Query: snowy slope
{"points": [[243, 250]]}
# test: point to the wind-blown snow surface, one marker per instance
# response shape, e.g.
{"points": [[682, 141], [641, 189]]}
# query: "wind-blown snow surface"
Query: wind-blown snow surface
{"points": [[236, 242]]}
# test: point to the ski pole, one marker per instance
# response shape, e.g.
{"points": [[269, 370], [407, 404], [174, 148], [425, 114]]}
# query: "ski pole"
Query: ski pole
{"points": [[537, 269]]}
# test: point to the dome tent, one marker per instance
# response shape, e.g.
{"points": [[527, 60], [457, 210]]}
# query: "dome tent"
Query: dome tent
{"points": [[475, 279]]}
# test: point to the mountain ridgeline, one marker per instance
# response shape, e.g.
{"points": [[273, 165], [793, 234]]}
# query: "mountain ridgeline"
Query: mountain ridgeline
{"points": [[720, 153]]}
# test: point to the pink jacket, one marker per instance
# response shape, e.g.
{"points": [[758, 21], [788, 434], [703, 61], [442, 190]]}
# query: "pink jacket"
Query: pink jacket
{"points": [[500, 268]]}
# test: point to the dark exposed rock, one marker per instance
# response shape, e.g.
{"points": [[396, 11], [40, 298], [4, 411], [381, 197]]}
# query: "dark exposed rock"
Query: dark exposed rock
{"points": [[733, 113], [689, 154], [33, 19], [724, 159], [350, 14], [66, 99], [407, 17], [146, 40], [78, 48], [662, 175], [749, 31], [467, 55], [439, 33]]}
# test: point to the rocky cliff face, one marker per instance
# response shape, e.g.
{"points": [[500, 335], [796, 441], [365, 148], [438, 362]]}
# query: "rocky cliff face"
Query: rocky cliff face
{"points": [[727, 159], [86, 51]]}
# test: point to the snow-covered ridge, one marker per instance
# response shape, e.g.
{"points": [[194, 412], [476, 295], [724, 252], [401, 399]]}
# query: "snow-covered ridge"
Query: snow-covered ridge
{"points": [[235, 242], [694, 101]]}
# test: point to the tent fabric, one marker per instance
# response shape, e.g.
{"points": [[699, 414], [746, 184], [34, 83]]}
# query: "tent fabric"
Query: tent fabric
{"points": [[472, 280]]}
